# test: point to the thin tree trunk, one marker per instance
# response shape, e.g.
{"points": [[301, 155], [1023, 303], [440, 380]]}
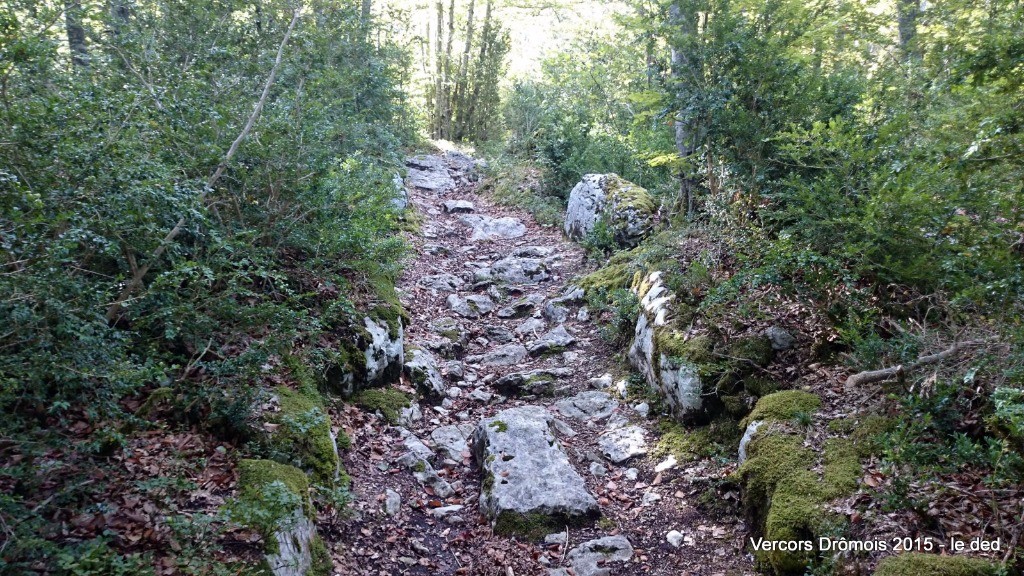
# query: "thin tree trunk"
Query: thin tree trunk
{"points": [[686, 137], [485, 39], [460, 85], [119, 15], [448, 72], [906, 22], [439, 80], [76, 33], [364, 12], [136, 282]]}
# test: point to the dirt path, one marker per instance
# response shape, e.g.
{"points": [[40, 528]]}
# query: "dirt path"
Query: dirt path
{"points": [[410, 520]]}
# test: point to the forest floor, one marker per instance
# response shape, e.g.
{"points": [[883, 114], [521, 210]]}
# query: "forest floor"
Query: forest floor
{"points": [[430, 534]]}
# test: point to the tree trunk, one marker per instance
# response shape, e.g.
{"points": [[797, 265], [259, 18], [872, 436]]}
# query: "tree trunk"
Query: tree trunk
{"points": [[76, 33], [460, 84], [485, 38], [906, 21], [119, 15], [686, 131], [439, 78], [364, 12], [448, 72]]}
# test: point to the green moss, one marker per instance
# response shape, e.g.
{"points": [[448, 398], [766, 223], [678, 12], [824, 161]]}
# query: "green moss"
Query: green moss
{"points": [[759, 385], [254, 509], [623, 194], [254, 474], [718, 438], [916, 564], [869, 434], [322, 564], [388, 401], [393, 315], [499, 426], [842, 468], [752, 349], [534, 526], [842, 425], [737, 405], [306, 428], [794, 515], [697, 350], [780, 486], [784, 405], [770, 459], [609, 278]]}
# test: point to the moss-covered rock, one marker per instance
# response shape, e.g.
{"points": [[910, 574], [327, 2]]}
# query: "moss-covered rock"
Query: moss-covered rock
{"points": [[715, 439], [753, 350], [607, 202], [759, 386], [783, 493], [611, 277], [305, 433], [917, 564], [674, 344], [268, 493], [784, 405], [388, 401]]}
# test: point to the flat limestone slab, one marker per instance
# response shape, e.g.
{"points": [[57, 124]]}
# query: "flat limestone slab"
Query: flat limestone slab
{"points": [[529, 483]]}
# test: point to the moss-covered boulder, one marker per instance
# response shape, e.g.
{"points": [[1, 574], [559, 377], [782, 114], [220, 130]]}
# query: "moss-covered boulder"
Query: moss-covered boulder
{"points": [[303, 434], [785, 494], [917, 564], [273, 499], [623, 208]]}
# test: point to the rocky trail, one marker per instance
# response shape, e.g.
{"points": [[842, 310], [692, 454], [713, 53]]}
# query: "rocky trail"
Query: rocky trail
{"points": [[524, 453]]}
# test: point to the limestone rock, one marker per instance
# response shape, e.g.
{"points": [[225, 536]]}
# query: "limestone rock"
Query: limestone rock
{"points": [[441, 283], [499, 334], [555, 340], [458, 206], [384, 353], [677, 381], [539, 381], [472, 306], [514, 270], [520, 308], [780, 338], [428, 172], [530, 327], [487, 228], [392, 502], [506, 355], [451, 441], [627, 209], [526, 471], [623, 443], [589, 405], [422, 370], [592, 558], [748, 435]]}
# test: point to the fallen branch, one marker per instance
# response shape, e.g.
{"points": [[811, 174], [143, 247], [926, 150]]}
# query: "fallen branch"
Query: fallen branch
{"points": [[869, 376], [115, 307]]}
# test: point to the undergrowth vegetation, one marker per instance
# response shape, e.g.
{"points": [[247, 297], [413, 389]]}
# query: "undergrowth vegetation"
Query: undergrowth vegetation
{"points": [[201, 190]]}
